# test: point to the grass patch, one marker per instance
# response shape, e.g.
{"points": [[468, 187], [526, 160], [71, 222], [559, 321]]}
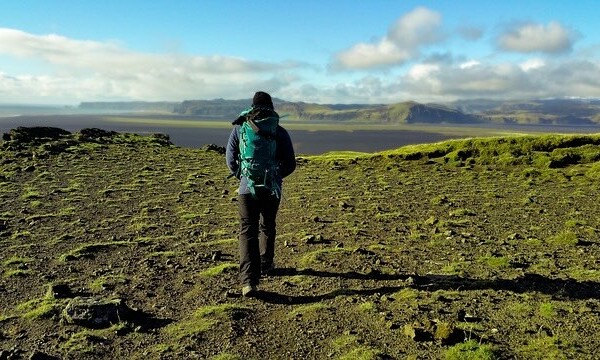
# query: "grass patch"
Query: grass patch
{"points": [[309, 310], [406, 294], [582, 274], [41, 308], [219, 269], [164, 254], [564, 238], [453, 268], [85, 342], [349, 348], [496, 262], [543, 348], [367, 306], [214, 242], [547, 310], [319, 255], [16, 273], [226, 356], [21, 235], [7, 215], [16, 260], [108, 281], [203, 319], [470, 350], [31, 194]]}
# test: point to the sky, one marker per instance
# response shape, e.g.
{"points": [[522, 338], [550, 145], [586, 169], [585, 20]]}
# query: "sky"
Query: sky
{"points": [[319, 51]]}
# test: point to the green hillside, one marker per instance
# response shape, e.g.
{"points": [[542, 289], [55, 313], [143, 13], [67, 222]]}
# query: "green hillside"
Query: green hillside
{"points": [[531, 112]]}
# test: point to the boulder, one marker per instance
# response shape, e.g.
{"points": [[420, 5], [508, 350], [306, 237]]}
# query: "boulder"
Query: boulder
{"points": [[94, 312], [216, 148], [34, 135], [95, 133]]}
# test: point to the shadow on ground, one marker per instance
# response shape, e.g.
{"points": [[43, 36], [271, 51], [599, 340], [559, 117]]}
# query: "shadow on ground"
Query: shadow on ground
{"points": [[560, 288]]}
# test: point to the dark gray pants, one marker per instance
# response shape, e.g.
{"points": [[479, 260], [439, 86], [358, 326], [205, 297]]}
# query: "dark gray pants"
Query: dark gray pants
{"points": [[257, 235]]}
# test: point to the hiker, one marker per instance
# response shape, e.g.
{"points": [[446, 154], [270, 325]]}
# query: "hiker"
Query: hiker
{"points": [[260, 154]]}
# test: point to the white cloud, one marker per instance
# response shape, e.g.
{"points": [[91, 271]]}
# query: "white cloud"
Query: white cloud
{"points": [[441, 82], [469, 64], [83, 70], [531, 64], [422, 71], [528, 38], [402, 43]]}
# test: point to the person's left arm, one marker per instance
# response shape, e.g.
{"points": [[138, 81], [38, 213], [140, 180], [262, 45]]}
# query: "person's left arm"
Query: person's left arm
{"points": [[285, 153]]}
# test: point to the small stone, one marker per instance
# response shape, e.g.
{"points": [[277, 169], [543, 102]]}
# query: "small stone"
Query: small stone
{"points": [[449, 232], [216, 255], [309, 239], [38, 355], [392, 325]]}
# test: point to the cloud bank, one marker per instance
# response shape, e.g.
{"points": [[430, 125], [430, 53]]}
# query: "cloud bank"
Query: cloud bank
{"points": [[91, 69], [411, 61]]}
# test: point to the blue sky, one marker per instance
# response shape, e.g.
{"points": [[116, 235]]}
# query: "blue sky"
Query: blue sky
{"points": [[65, 52]]}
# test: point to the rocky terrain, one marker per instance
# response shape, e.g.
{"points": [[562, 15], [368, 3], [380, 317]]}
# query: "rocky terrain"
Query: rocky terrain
{"points": [[117, 246]]}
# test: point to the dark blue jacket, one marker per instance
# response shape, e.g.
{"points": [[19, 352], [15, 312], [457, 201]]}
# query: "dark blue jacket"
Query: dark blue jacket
{"points": [[285, 155]]}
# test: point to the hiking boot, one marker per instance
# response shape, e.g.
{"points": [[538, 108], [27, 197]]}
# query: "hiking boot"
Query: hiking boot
{"points": [[249, 290], [267, 270]]}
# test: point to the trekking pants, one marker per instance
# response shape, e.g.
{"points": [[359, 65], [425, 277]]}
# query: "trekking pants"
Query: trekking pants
{"points": [[257, 234]]}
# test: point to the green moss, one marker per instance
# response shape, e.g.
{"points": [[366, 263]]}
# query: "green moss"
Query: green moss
{"points": [[215, 242], [226, 356], [361, 353], [310, 310], [320, 255], [31, 194], [16, 273], [543, 348], [108, 281], [219, 269], [202, 320], [470, 350], [85, 342], [349, 347], [406, 295], [21, 235], [367, 306], [165, 254], [16, 260], [583, 274], [546, 310], [497, 262], [40, 308], [564, 238]]}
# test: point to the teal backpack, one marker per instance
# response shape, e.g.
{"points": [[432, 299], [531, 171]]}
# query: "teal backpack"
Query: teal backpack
{"points": [[258, 150]]}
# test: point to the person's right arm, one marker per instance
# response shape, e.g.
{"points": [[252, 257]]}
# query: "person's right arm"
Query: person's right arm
{"points": [[233, 151]]}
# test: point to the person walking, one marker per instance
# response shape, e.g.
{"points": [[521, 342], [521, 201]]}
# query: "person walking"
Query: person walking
{"points": [[260, 154]]}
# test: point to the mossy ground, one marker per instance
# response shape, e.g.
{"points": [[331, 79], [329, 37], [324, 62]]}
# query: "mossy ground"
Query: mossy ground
{"points": [[494, 241]]}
